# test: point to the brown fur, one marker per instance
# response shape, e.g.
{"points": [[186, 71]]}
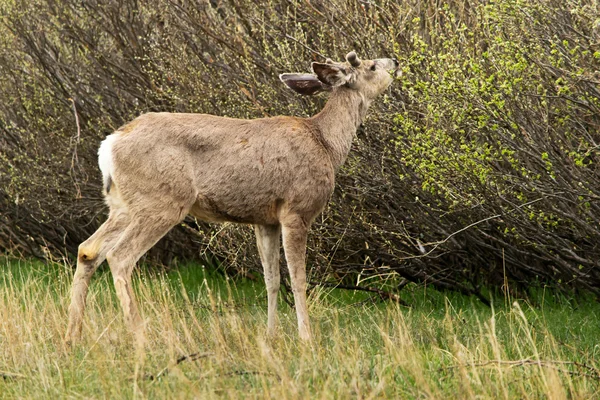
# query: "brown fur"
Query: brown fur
{"points": [[276, 173]]}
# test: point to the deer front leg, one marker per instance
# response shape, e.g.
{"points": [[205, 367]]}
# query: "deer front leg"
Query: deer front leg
{"points": [[295, 231], [267, 239], [91, 254]]}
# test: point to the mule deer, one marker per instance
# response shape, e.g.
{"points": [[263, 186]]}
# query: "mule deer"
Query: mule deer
{"points": [[275, 173]]}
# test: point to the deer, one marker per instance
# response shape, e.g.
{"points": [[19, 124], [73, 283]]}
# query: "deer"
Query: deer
{"points": [[275, 173]]}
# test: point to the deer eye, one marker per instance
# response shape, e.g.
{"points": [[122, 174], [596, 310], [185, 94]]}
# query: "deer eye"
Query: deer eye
{"points": [[373, 67]]}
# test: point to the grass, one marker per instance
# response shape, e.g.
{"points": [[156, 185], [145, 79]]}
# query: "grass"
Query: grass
{"points": [[444, 345]]}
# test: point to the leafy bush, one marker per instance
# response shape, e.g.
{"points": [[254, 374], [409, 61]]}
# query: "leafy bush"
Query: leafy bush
{"points": [[479, 166]]}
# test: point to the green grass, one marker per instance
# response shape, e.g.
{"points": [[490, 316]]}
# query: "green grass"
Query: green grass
{"points": [[444, 345]]}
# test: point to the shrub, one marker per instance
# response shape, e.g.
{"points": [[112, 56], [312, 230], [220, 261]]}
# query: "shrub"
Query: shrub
{"points": [[479, 166]]}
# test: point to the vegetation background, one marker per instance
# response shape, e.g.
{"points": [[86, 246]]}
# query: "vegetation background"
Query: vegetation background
{"points": [[478, 169]]}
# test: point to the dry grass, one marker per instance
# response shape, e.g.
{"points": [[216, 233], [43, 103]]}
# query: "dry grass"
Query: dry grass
{"points": [[441, 347]]}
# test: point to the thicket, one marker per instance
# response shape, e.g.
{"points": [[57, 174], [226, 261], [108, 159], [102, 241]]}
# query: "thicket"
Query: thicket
{"points": [[478, 168]]}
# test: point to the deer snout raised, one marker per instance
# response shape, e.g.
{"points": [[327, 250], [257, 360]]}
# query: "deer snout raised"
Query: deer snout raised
{"points": [[394, 67], [388, 63]]}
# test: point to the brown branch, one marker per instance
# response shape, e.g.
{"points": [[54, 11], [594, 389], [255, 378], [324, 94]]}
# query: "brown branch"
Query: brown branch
{"points": [[439, 243], [75, 157], [190, 357], [242, 373], [303, 45], [382, 293], [553, 364]]}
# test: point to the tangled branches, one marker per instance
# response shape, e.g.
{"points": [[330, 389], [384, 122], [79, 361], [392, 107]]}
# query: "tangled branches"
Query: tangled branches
{"points": [[480, 165]]}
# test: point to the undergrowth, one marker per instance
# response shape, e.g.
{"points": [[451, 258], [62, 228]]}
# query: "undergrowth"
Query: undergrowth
{"points": [[206, 339]]}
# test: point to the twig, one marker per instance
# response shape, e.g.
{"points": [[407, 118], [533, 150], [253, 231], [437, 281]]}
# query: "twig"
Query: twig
{"points": [[382, 293], [439, 243], [305, 46], [553, 364], [7, 376], [286, 294], [75, 158], [96, 342], [252, 98], [241, 373], [78, 137], [190, 357], [371, 299]]}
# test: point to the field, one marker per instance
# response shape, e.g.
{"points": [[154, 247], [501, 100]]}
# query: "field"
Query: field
{"points": [[206, 340]]}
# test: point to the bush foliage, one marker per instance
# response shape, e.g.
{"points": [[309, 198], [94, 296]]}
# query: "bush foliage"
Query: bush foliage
{"points": [[480, 165]]}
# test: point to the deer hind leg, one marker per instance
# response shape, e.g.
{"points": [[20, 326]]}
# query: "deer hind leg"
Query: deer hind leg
{"points": [[91, 254], [140, 235], [267, 239], [294, 232]]}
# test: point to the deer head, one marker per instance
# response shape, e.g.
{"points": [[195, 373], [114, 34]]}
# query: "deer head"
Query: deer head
{"points": [[368, 77]]}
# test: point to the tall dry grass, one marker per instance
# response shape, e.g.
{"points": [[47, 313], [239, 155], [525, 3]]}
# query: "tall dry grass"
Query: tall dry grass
{"points": [[206, 339]]}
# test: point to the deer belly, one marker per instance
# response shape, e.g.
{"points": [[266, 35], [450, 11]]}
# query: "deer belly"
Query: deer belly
{"points": [[239, 210]]}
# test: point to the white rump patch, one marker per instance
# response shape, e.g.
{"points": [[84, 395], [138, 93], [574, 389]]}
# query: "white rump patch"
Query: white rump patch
{"points": [[105, 158]]}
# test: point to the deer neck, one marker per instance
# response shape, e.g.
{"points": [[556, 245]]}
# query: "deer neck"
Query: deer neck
{"points": [[339, 120]]}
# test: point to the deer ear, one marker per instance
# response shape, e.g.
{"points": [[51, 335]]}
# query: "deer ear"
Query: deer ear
{"points": [[353, 59], [305, 84], [330, 74]]}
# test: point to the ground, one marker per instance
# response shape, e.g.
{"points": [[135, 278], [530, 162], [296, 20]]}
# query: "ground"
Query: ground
{"points": [[206, 339]]}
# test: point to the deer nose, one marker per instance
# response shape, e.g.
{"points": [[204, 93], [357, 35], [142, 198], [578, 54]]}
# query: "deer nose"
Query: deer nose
{"points": [[396, 62]]}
